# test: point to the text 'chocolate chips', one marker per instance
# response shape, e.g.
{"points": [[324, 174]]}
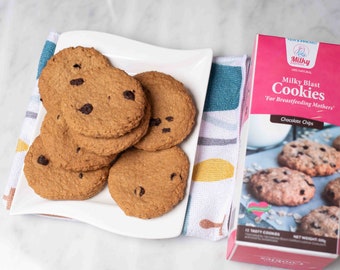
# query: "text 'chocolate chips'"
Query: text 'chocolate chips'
{"points": [[77, 82], [86, 108], [43, 160]]}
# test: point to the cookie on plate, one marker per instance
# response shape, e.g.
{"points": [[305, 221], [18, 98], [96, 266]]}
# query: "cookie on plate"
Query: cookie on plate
{"points": [[336, 143], [106, 103], [323, 221], [282, 186], [312, 158], [56, 183], [173, 111], [332, 192], [64, 150], [112, 146], [149, 184], [65, 66]]}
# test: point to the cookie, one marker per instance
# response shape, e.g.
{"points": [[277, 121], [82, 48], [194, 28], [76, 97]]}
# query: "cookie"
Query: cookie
{"points": [[56, 183], [323, 221], [65, 66], [336, 143], [332, 192], [282, 186], [312, 158], [112, 146], [64, 150], [173, 111], [149, 184], [104, 104]]}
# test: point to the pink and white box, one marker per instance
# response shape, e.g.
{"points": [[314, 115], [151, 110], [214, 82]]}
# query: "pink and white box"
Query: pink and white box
{"points": [[293, 93]]}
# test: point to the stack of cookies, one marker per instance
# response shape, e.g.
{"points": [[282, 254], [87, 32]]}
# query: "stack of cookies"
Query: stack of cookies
{"points": [[103, 125]]}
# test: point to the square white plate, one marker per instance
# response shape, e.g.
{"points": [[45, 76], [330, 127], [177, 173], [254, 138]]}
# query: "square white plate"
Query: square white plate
{"points": [[191, 67]]}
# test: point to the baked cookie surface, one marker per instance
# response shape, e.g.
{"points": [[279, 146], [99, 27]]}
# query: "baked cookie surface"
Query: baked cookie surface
{"points": [[323, 221], [173, 111], [282, 186], [64, 150], [332, 192], [112, 146], [66, 65], [149, 184], [56, 183], [106, 103], [312, 158]]}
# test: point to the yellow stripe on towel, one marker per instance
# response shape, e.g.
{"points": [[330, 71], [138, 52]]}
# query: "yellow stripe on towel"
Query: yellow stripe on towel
{"points": [[21, 146], [214, 169]]}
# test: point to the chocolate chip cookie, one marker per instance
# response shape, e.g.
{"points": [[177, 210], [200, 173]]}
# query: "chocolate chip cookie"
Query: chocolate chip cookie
{"points": [[64, 150], [323, 221], [312, 158], [106, 103], [332, 192], [173, 111], [67, 66], [282, 186], [148, 184], [55, 183]]}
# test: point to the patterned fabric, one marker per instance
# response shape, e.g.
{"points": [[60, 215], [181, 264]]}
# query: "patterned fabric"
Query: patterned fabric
{"points": [[214, 170], [29, 124]]}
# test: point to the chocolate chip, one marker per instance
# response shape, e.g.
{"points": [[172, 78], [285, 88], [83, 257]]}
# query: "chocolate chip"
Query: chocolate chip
{"points": [[172, 176], [139, 191], [77, 82], [169, 118], [302, 192], [43, 160], [259, 188], [86, 108], [166, 130], [305, 147], [80, 175], [331, 194], [78, 149], [154, 122], [315, 225], [309, 184], [128, 94], [322, 149], [78, 66]]}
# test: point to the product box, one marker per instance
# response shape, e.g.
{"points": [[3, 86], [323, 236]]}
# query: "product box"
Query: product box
{"points": [[286, 206]]}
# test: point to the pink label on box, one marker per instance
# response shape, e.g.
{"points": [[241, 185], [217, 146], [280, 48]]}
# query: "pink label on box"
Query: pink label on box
{"points": [[297, 78]]}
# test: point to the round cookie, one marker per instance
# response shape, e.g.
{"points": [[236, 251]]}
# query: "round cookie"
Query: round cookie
{"points": [[112, 146], [336, 143], [64, 150], [105, 103], [56, 183], [173, 111], [282, 186], [64, 66], [312, 158], [149, 184], [332, 192], [323, 221]]}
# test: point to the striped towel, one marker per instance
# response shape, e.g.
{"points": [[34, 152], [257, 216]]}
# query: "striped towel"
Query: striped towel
{"points": [[217, 151], [29, 125]]}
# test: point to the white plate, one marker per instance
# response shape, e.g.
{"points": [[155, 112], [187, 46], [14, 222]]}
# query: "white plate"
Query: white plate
{"points": [[192, 67]]}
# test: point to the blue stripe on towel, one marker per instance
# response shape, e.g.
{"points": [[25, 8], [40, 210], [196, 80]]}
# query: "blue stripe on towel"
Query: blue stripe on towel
{"points": [[46, 54], [223, 88]]}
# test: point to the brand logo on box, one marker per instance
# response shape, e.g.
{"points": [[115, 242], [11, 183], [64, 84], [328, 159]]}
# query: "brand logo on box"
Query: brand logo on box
{"points": [[301, 53]]}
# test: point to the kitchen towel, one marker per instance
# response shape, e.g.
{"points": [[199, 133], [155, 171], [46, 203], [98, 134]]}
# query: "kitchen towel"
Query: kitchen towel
{"points": [[217, 152], [213, 178], [29, 124]]}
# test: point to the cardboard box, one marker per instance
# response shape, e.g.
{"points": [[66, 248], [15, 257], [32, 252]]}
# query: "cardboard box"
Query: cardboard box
{"points": [[293, 93]]}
